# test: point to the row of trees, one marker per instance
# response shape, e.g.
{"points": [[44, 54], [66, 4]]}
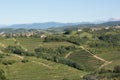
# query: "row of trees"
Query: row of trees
{"points": [[61, 38], [112, 39], [18, 50], [106, 41], [53, 54], [56, 55]]}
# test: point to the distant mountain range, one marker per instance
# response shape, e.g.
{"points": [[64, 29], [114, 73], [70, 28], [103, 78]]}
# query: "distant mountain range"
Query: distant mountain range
{"points": [[57, 24], [40, 25]]}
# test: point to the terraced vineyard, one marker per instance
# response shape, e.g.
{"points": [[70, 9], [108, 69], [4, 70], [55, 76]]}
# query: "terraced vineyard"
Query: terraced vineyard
{"points": [[87, 60]]}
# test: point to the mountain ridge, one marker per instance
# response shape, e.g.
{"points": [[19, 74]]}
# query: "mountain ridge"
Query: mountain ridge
{"points": [[47, 25]]}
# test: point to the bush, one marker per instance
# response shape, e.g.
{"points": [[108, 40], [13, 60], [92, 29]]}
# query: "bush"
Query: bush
{"points": [[116, 69], [8, 62], [2, 75], [70, 63], [2, 55], [18, 50], [55, 38], [24, 60], [65, 79], [15, 49]]}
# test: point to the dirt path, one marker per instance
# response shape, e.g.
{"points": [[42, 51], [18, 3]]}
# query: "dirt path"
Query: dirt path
{"points": [[105, 64], [21, 57], [67, 55], [97, 57], [42, 64]]}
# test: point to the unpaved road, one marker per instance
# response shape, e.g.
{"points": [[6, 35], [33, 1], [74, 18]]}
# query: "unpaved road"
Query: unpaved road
{"points": [[97, 57]]}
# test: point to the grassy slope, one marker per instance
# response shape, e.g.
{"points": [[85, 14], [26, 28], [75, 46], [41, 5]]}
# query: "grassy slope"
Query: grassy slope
{"points": [[5, 42], [56, 44], [80, 57], [32, 43], [29, 43], [36, 71], [110, 55], [84, 58]]}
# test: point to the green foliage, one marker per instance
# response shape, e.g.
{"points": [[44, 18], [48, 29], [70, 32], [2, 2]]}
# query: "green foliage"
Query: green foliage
{"points": [[116, 69], [55, 38], [15, 49], [81, 57], [68, 31], [38, 71], [54, 51], [25, 60], [77, 40], [112, 39], [8, 62], [54, 54], [104, 74], [2, 56], [55, 48], [70, 63], [2, 75], [18, 50], [65, 79]]}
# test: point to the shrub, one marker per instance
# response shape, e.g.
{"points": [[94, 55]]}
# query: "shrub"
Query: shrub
{"points": [[8, 62], [116, 69], [2, 75], [24, 60]]}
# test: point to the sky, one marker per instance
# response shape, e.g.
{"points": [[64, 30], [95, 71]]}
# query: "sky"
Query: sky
{"points": [[38, 11]]}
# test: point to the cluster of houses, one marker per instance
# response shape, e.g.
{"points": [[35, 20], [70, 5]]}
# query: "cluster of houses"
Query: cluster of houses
{"points": [[100, 28], [27, 34], [2, 34], [43, 35]]}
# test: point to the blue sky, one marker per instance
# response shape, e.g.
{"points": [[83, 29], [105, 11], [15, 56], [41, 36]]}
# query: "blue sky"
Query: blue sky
{"points": [[30, 11]]}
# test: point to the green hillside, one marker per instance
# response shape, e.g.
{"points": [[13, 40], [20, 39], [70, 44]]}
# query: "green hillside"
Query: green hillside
{"points": [[87, 60], [71, 55], [38, 69]]}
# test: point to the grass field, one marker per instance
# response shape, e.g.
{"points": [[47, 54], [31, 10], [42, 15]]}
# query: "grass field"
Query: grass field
{"points": [[32, 43], [84, 58], [29, 43], [56, 44], [39, 69], [5, 42], [88, 35], [109, 54]]}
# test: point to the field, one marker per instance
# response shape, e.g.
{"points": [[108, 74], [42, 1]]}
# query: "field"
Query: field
{"points": [[87, 60], [56, 44], [39, 69], [51, 61], [111, 54], [31, 43], [36, 68]]}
